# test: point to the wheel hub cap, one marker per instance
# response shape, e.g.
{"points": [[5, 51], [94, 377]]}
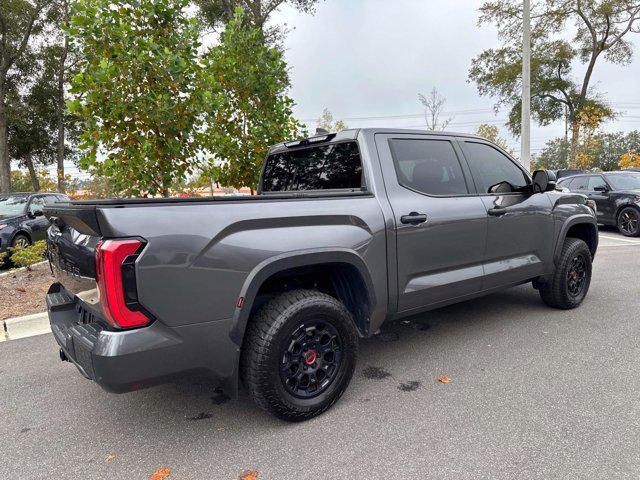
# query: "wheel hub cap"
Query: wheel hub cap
{"points": [[311, 359]]}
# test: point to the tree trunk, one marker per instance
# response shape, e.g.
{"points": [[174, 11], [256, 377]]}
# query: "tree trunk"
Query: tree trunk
{"points": [[575, 143], [60, 119], [32, 173], [5, 162]]}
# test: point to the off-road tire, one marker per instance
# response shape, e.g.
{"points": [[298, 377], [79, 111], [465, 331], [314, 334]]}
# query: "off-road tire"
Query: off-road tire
{"points": [[555, 291], [267, 338]]}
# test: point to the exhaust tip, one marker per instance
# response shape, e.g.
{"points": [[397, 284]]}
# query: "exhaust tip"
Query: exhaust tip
{"points": [[63, 356]]}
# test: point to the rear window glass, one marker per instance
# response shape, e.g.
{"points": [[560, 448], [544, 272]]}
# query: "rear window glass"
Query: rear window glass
{"points": [[325, 167], [428, 166]]}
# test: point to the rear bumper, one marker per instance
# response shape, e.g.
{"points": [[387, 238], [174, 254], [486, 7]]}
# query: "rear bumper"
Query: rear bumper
{"points": [[123, 361]]}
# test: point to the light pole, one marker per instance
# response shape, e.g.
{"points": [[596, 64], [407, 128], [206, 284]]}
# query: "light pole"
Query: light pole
{"points": [[525, 147]]}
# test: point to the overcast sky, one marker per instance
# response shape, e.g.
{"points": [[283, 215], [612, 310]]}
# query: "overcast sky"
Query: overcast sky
{"points": [[371, 58]]}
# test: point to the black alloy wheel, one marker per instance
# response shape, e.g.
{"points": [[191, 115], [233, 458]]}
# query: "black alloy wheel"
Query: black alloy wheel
{"points": [[629, 222], [577, 275], [312, 359]]}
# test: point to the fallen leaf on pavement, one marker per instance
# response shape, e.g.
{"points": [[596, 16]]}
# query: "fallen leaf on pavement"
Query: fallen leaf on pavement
{"points": [[109, 457], [21, 290], [160, 474], [444, 379], [252, 475]]}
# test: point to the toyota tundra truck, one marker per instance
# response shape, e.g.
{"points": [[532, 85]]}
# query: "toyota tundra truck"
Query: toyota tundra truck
{"points": [[347, 231]]}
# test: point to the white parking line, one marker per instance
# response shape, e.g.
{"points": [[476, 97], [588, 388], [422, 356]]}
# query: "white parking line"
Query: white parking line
{"points": [[618, 239]]}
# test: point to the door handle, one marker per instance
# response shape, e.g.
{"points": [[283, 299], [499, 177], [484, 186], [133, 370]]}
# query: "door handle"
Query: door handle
{"points": [[497, 211], [414, 218]]}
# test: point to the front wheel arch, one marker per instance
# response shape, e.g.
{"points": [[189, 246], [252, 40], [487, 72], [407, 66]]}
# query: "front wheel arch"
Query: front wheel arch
{"points": [[582, 227], [23, 233]]}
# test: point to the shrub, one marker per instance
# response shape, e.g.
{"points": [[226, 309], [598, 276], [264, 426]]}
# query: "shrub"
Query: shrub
{"points": [[27, 256]]}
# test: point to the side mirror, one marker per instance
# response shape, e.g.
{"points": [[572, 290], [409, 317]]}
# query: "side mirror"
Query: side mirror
{"points": [[601, 188], [543, 181], [502, 187], [36, 213]]}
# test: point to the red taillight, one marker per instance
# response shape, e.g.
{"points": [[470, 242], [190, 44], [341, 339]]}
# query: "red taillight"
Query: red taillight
{"points": [[110, 257]]}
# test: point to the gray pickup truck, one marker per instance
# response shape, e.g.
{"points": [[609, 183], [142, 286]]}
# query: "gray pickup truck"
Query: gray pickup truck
{"points": [[348, 231]]}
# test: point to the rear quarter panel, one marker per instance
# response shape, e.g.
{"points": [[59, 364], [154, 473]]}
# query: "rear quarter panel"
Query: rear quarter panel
{"points": [[199, 256]]}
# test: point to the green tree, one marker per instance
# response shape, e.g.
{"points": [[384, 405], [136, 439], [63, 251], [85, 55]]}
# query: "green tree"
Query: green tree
{"points": [[491, 132], [593, 29], [554, 155], [141, 91], [603, 152], [217, 13], [19, 21], [95, 187], [253, 110], [327, 122], [33, 115]]}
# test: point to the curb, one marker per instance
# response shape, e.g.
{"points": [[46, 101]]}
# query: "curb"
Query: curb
{"points": [[27, 326], [16, 270]]}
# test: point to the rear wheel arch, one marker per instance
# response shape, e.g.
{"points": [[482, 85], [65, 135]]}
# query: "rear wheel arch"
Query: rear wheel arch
{"points": [[340, 273]]}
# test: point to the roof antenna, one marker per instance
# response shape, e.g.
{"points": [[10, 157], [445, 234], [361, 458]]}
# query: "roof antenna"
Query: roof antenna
{"points": [[322, 131]]}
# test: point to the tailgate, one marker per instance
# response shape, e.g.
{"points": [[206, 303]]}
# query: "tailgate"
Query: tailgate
{"points": [[71, 253], [72, 258]]}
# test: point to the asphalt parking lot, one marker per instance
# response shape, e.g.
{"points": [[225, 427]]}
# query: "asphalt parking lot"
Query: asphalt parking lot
{"points": [[535, 393]]}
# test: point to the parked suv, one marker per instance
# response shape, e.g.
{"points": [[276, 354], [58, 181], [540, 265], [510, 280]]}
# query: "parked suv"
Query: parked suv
{"points": [[616, 196], [21, 218], [348, 230]]}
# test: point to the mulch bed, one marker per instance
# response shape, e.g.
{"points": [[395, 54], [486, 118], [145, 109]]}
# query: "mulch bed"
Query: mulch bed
{"points": [[23, 292]]}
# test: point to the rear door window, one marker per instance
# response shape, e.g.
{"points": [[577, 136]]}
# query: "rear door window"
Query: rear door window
{"points": [[326, 167], [428, 166], [579, 183], [596, 181]]}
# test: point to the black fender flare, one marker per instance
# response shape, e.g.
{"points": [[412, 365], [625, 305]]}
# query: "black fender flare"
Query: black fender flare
{"points": [[578, 219], [286, 261]]}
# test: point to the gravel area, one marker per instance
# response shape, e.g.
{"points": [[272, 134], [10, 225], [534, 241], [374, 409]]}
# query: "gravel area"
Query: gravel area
{"points": [[23, 292]]}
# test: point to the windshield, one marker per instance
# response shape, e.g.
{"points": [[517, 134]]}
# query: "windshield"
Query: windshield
{"points": [[625, 181], [11, 206]]}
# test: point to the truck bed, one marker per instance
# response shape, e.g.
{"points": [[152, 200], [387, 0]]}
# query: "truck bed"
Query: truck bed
{"points": [[81, 215]]}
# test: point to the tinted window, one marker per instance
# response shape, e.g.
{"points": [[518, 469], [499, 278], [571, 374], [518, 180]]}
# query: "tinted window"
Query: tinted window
{"points": [[579, 183], [428, 166], [490, 167], [625, 181], [317, 168], [11, 206], [595, 181]]}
